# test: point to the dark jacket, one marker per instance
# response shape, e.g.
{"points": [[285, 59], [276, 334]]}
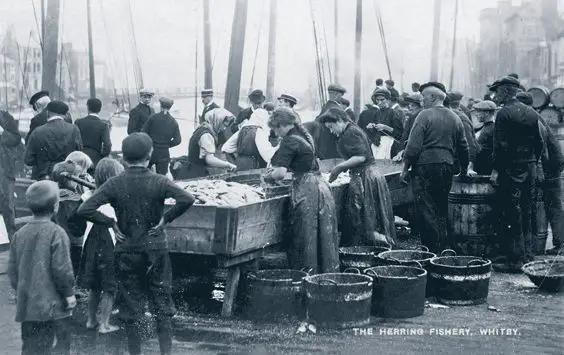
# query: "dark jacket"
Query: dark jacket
{"points": [[137, 195], [39, 120], [11, 147], [325, 141], [517, 139], [66, 216], [243, 115], [207, 109], [552, 157], [163, 130], [95, 135], [138, 116], [483, 159], [51, 144], [410, 119], [468, 133], [40, 270]]}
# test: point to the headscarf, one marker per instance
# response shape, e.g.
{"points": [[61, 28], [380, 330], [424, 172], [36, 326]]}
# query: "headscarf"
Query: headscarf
{"points": [[214, 120], [258, 118]]}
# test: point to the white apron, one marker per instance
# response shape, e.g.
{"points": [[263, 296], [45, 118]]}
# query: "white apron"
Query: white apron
{"points": [[384, 151]]}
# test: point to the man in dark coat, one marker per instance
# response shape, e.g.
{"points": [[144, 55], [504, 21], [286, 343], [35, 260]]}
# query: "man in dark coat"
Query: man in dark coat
{"points": [[325, 141], [256, 97], [163, 130], [140, 113], [415, 87], [209, 104], [453, 102], [39, 102], [347, 106], [394, 94], [10, 146], [482, 162], [517, 149], [95, 133], [52, 142]]}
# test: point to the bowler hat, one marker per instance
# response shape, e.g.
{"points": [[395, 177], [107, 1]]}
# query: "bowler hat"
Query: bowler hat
{"points": [[256, 96]]}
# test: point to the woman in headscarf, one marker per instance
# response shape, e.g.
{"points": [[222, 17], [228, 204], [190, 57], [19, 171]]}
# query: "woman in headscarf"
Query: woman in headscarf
{"points": [[368, 219], [202, 147], [250, 143], [314, 239]]}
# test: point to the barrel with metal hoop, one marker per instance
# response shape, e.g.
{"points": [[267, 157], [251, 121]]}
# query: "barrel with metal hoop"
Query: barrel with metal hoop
{"points": [[361, 257], [338, 300], [552, 116], [460, 280], [559, 135], [557, 97], [471, 214], [398, 291], [540, 230], [274, 294], [541, 96]]}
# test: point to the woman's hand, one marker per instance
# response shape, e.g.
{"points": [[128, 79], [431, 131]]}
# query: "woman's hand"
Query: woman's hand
{"points": [[471, 173], [494, 177], [334, 174], [231, 167], [120, 237]]}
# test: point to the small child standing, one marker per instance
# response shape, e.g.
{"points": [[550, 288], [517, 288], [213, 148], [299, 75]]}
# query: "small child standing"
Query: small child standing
{"points": [[40, 271], [98, 263], [66, 216]]}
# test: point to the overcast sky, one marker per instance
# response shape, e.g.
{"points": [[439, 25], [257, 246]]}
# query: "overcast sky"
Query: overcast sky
{"points": [[166, 32]]}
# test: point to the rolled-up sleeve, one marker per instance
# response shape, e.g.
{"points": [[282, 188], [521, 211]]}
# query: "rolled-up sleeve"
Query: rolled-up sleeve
{"points": [[207, 145], [265, 149], [230, 146]]}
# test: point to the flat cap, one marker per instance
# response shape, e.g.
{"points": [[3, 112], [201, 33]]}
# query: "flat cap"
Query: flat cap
{"points": [[415, 98], [390, 82], [166, 102], [382, 92], [288, 98], [37, 96], [58, 107], [485, 105], [435, 84], [525, 97], [257, 96], [455, 96], [146, 92], [136, 146], [336, 88], [207, 92], [508, 80]]}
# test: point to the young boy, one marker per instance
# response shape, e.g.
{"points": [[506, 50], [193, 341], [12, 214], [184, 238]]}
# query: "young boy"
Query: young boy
{"points": [[141, 252], [40, 271]]}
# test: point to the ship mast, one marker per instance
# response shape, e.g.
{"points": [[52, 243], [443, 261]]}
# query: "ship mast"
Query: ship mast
{"points": [[90, 52], [208, 79], [50, 47], [232, 88], [357, 57], [435, 47], [271, 66]]}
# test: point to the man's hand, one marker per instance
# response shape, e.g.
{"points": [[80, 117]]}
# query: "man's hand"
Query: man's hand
{"points": [[120, 237], [71, 302], [403, 176], [398, 157], [157, 229], [371, 125], [493, 177], [471, 173], [334, 174]]}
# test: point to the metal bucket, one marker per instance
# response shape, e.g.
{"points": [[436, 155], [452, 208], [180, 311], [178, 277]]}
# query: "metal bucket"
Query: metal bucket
{"points": [[359, 257], [275, 294], [398, 291], [460, 280], [548, 275], [338, 300]]}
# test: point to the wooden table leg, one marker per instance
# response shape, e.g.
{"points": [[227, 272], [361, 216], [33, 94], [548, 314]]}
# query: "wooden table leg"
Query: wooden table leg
{"points": [[231, 286]]}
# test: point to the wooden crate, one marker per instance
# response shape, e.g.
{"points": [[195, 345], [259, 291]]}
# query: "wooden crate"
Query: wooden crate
{"points": [[228, 231]]}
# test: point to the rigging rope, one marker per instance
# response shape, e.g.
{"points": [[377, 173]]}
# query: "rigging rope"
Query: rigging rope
{"points": [[40, 34], [24, 71], [138, 73], [257, 48], [382, 36], [110, 49], [196, 69], [319, 74], [453, 44], [327, 58]]}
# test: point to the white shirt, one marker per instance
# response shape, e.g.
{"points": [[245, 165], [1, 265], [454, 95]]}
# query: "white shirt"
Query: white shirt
{"points": [[208, 105], [94, 114], [265, 149], [55, 118]]}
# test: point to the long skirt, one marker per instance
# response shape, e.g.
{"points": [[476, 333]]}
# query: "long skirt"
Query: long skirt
{"points": [[98, 263], [368, 218], [314, 239]]}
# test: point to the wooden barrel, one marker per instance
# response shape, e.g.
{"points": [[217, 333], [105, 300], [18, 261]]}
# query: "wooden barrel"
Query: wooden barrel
{"points": [[559, 134], [471, 215], [540, 230], [557, 97], [551, 115], [541, 96]]}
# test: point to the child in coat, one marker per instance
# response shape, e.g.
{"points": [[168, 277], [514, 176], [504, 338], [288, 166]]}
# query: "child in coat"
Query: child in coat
{"points": [[40, 270]]}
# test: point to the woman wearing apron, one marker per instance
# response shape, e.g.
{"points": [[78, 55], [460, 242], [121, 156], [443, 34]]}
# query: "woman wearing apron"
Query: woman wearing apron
{"points": [[368, 219], [202, 147], [314, 240]]}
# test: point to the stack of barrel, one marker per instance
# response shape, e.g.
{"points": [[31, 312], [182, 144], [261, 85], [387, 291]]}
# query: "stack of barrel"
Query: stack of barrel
{"points": [[550, 105]]}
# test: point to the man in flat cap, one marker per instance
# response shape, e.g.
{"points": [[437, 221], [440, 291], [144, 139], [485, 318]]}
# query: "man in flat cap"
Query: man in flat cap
{"points": [[452, 101], [517, 147], [385, 127], [414, 106], [95, 133], [52, 142], [39, 102], [484, 112], [165, 133], [394, 94], [143, 267], [437, 137], [209, 104], [140, 113], [347, 106], [257, 98]]}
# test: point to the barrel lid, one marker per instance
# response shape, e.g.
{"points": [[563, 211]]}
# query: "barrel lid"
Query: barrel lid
{"points": [[541, 96], [551, 115], [557, 97]]}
